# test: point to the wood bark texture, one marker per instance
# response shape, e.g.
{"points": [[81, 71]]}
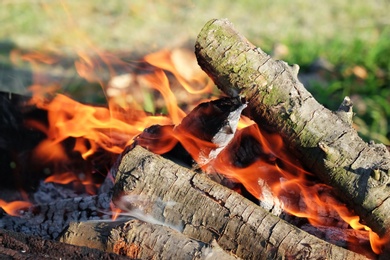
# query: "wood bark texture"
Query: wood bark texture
{"points": [[191, 202], [140, 240], [323, 140]]}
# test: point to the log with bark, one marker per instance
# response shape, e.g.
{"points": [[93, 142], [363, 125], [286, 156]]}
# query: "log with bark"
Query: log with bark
{"points": [[165, 193], [141, 240], [323, 140]]}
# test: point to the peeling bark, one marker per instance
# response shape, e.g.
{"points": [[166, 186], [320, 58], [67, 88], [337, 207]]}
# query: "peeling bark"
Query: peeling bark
{"points": [[323, 140], [204, 210]]}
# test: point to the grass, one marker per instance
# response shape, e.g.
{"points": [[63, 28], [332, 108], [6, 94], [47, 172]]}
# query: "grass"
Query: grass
{"points": [[369, 88], [352, 36]]}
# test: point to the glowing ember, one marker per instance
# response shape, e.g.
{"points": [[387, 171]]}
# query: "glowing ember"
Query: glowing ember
{"points": [[70, 177], [254, 158]]}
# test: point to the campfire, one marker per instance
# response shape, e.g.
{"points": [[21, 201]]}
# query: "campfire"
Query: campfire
{"points": [[174, 168]]}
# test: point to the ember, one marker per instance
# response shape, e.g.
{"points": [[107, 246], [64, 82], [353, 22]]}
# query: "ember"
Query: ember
{"points": [[209, 131]]}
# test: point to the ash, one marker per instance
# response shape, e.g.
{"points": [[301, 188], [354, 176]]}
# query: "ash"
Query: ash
{"points": [[49, 192], [55, 207]]}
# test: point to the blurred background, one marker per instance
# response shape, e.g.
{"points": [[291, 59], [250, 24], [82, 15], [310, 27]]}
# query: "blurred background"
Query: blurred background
{"points": [[342, 47]]}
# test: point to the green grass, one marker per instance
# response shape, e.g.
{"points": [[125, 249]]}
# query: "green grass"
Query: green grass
{"points": [[371, 93], [138, 24], [345, 33]]}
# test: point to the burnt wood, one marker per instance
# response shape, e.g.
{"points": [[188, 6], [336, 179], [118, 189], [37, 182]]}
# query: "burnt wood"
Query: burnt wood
{"points": [[20, 246]]}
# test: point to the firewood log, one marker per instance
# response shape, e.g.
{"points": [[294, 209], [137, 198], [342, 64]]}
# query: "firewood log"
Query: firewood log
{"points": [[167, 193], [323, 140], [140, 240]]}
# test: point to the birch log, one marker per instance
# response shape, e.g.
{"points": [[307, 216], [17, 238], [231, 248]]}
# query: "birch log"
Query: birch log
{"points": [[140, 240], [323, 140], [163, 192]]}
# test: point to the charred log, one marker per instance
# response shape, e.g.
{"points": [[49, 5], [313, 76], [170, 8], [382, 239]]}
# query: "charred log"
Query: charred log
{"points": [[163, 192], [323, 140], [204, 132], [20, 246]]}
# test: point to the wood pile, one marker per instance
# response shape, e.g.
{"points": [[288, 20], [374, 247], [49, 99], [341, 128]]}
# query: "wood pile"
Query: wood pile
{"points": [[172, 209]]}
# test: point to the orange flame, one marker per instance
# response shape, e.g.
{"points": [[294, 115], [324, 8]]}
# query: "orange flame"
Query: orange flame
{"points": [[165, 60], [112, 129], [159, 81], [69, 177], [290, 183], [95, 128], [99, 127], [13, 208], [115, 211]]}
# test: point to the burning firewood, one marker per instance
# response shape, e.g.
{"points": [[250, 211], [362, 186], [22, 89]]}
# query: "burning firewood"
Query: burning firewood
{"points": [[204, 210], [212, 123], [204, 132], [141, 240], [323, 140], [170, 206]]}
